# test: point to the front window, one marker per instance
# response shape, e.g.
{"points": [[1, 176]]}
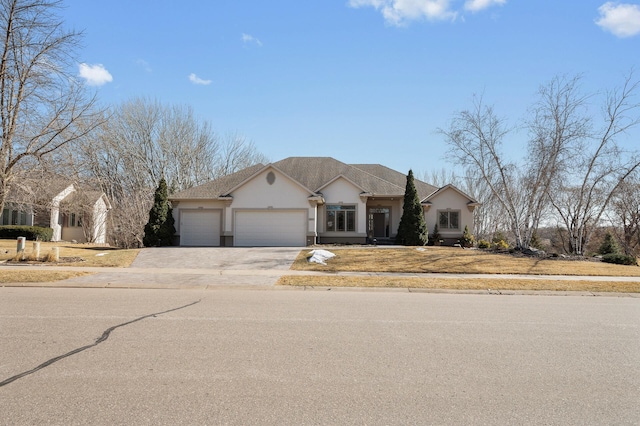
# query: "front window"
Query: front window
{"points": [[449, 219], [341, 218], [75, 220]]}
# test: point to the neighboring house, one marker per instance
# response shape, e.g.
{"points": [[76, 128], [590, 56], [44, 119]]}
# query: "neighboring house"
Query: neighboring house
{"points": [[302, 201], [72, 214]]}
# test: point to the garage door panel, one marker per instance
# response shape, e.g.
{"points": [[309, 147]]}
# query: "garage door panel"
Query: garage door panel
{"points": [[200, 228], [270, 229]]}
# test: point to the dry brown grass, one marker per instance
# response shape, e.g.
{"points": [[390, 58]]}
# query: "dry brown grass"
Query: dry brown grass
{"points": [[495, 284], [455, 260], [72, 254], [27, 276]]}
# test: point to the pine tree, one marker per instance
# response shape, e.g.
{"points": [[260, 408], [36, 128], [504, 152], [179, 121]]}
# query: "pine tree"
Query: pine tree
{"points": [[160, 228], [609, 245], [413, 229]]}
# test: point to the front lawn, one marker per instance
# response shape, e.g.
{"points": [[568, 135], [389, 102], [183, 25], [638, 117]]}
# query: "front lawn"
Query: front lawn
{"points": [[455, 260], [70, 255], [74, 254], [458, 261]]}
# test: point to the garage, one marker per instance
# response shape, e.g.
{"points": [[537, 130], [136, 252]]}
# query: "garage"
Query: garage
{"points": [[270, 228], [200, 228]]}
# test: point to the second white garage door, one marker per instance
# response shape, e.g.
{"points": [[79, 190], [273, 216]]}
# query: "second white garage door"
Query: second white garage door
{"points": [[200, 228], [270, 228]]}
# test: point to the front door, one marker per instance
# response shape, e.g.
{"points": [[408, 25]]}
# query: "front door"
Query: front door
{"points": [[379, 222]]}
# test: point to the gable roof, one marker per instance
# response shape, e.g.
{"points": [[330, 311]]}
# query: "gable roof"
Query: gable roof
{"points": [[315, 173], [217, 187], [81, 198], [422, 188], [472, 201]]}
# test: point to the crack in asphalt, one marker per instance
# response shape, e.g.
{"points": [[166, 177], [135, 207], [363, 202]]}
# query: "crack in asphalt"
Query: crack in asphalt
{"points": [[102, 338]]}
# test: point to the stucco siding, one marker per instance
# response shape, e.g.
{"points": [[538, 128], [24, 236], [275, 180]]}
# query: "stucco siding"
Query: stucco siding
{"points": [[341, 191], [271, 190], [451, 200]]}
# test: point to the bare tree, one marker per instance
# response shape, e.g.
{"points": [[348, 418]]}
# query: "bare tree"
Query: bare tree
{"points": [[236, 153], [625, 210], [571, 168], [595, 167], [143, 141], [42, 106], [475, 140]]}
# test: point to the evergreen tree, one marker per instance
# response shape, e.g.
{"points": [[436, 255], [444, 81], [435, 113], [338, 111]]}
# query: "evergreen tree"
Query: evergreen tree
{"points": [[467, 239], [413, 229], [609, 245], [160, 228]]}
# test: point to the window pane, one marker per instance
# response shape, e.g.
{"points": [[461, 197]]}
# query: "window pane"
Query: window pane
{"points": [[454, 220], [443, 221], [340, 219], [351, 221], [331, 220]]}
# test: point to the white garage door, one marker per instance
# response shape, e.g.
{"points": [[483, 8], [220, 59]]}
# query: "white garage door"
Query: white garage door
{"points": [[200, 228], [270, 229]]}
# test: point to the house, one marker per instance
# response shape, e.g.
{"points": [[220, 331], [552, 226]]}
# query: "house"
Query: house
{"points": [[302, 201], [74, 214]]}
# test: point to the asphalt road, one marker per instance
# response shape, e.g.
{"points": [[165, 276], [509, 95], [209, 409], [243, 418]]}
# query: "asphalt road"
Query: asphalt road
{"points": [[236, 356]]}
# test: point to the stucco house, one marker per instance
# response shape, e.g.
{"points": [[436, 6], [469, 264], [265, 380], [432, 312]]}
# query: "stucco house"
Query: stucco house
{"points": [[74, 214], [302, 201]]}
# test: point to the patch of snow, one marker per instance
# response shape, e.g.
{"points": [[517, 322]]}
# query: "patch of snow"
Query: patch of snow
{"points": [[319, 256], [101, 254]]}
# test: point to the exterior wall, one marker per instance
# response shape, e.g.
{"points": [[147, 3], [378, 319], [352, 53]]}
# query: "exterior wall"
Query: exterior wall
{"points": [[180, 206], [449, 199], [341, 191], [56, 219], [260, 194], [99, 220], [72, 234]]}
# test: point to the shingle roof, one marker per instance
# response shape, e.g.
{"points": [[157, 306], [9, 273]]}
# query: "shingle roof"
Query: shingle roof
{"points": [[218, 187], [82, 197], [314, 173], [397, 178]]}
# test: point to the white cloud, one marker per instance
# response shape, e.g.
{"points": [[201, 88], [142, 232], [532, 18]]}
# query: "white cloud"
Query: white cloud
{"points": [[144, 64], [197, 80], [398, 12], [248, 38], [478, 5], [94, 75], [621, 19]]}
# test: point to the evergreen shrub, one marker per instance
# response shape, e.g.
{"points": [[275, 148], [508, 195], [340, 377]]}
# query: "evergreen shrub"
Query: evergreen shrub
{"points": [[609, 245], [620, 259], [31, 233]]}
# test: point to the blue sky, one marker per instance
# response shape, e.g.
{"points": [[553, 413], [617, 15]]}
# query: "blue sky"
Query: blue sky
{"points": [[364, 81]]}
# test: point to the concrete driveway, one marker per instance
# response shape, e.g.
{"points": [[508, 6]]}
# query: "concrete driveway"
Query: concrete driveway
{"points": [[223, 258], [196, 267]]}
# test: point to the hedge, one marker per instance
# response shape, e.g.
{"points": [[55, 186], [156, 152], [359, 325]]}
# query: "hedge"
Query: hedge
{"points": [[32, 233], [619, 259]]}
